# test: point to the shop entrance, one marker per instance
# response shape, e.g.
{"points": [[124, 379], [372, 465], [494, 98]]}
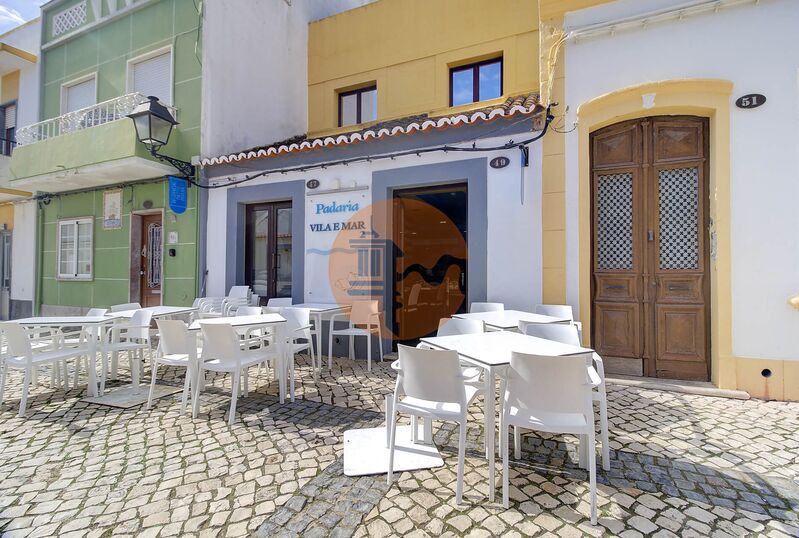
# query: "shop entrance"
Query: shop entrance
{"points": [[268, 250], [650, 247], [430, 258]]}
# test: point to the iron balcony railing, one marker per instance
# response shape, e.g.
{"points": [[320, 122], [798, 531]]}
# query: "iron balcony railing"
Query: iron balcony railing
{"points": [[84, 118]]}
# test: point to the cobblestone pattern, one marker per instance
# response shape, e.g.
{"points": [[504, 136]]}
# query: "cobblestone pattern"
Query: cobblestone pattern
{"points": [[682, 465]]}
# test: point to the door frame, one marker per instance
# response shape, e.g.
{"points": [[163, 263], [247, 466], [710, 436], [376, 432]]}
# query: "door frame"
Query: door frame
{"points": [[703, 97], [134, 284], [645, 217], [396, 193], [272, 241]]}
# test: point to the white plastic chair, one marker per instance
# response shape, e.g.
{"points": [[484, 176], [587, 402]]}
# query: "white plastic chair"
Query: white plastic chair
{"points": [[279, 301], [21, 356], [178, 348], [455, 326], [550, 394], [364, 320], [560, 311], [487, 307], [430, 385], [134, 339], [567, 334], [298, 328], [125, 306], [222, 353]]}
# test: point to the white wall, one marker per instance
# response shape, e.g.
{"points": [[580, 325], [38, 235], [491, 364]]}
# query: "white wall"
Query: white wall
{"points": [[755, 47], [255, 70], [514, 228], [23, 255], [28, 38]]}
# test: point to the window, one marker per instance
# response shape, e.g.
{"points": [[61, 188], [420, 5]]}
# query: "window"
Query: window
{"points": [[75, 248], [79, 94], [357, 106], [152, 76], [8, 114], [475, 82]]}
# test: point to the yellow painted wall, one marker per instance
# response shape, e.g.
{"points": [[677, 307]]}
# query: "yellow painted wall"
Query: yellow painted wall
{"points": [[407, 48], [7, 216], [9, 87]]}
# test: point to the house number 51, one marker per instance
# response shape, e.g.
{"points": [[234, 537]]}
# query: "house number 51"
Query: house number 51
{"points": [[751, 100]]}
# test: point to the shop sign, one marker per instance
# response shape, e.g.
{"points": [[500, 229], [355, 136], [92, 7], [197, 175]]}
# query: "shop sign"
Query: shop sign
{"points": [[750, 100], [335, 208], [178, 194], [112, 210]]}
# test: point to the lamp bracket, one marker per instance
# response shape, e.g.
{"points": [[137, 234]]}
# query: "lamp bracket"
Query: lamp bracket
{"points": [[184, 167]]}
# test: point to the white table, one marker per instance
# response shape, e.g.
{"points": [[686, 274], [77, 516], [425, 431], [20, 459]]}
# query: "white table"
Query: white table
{"points": [[504, 320], [318, 311], [255, 321], [492, 351], [157, 311], [93, 325]]}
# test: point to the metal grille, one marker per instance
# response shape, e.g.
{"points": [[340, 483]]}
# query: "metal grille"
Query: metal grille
{"points": [[614, 227], [679, 218], [154, 258], [69, 19]]}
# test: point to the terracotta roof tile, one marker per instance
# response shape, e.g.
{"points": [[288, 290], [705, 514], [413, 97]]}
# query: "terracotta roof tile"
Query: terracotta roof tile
{"points": [[527, 103]]}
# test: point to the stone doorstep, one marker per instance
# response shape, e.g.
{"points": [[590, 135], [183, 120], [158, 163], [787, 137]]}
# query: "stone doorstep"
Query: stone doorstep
{"points": [[701, 388]]}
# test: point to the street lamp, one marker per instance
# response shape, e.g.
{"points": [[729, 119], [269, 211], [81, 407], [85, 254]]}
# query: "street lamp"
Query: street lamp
{"points": [[154, 124]]}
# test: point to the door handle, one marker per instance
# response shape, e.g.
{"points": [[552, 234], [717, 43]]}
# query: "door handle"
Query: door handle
{"points": [[650, 235]]}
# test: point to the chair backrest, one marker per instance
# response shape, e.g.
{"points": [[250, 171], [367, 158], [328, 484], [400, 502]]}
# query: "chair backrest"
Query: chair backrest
{"points": [[487, 307], [279, 301], [363, 312], [19, 345], [175, 338], [450, 326], [549, 384], [141, 321], [97, 312], [125, 306], [220, 341], [565, 333], [431, 374], [248, 311], [556, 310], [239, 292], [295, 318]]}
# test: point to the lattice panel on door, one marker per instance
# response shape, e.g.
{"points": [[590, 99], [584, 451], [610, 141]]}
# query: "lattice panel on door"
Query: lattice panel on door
{"points": [[69, 19], [154, 259], [614, 226], [679, 218]]}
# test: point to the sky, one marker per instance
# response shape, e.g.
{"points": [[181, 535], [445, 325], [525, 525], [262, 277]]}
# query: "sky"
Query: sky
{"points": [[15, 12]]}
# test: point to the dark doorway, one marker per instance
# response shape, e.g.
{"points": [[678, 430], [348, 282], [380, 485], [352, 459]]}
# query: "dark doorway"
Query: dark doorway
{"points": [[430, 258], [268, 250]]}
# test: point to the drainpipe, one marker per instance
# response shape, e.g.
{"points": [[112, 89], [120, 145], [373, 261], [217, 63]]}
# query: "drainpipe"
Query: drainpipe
{"points": [[39, 259]]}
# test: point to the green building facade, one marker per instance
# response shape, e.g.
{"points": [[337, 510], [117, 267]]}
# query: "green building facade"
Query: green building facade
{"points": [[99, 58]]}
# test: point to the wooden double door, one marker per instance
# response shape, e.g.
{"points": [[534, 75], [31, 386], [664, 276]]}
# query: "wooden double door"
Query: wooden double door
{"points": [[650, 285]]}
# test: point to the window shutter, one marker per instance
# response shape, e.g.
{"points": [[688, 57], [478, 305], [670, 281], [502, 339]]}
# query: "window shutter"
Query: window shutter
{"points": [[10, 120], [80, 96], [153, 77]]}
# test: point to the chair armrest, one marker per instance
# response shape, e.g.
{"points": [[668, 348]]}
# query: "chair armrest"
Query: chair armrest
{"points": [[333, 319], [593, 377]]}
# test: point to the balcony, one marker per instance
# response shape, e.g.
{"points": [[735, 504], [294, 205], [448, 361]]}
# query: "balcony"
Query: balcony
{"points": [[91, 147]]}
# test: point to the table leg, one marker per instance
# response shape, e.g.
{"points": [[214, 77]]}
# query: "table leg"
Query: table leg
{"points": [[491, 412], [91, 361], [319, 326]]}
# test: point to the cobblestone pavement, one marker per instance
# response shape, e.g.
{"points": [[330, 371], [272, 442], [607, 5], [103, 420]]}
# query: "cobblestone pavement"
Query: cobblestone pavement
{"points": [[682, 465]]}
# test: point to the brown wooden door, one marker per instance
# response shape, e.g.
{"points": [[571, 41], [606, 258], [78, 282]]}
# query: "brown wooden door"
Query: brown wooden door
{"points": [[268, 252], [150, 265], [650, 248]]}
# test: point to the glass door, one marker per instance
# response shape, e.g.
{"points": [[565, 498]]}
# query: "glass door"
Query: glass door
{"points": [[268, 250]]}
